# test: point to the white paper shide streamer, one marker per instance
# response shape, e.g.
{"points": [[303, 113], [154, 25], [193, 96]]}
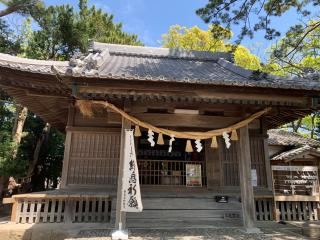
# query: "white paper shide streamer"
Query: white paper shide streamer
{"points": [[226, 138], [198, 145], [151, 138], [170, 143], [131, 195]]}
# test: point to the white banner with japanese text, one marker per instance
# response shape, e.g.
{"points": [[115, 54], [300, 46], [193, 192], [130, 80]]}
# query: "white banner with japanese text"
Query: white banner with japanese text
{"points": [[131, 195]]}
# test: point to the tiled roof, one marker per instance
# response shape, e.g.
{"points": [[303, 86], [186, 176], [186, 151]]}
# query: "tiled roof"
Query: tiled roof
{"points": [[113, 61], [285, 138], [31, 65], [288, 155]]}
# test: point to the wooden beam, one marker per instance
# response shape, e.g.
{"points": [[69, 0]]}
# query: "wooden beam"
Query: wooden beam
{"points": [[247, 197], [120, 222]]}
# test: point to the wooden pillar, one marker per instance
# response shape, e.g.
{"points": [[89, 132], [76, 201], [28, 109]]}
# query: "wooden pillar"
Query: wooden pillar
{"points": [[67, 146], [121, 216], [247, 197], [266, 155], [213, 166]]}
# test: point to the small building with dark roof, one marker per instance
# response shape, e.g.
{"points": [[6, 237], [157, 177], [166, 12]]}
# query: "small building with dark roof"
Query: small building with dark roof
{"points": [[295, 162]]}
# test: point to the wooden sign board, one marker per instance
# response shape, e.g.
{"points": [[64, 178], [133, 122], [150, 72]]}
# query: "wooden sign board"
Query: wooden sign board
{"points": [[296, 180]]}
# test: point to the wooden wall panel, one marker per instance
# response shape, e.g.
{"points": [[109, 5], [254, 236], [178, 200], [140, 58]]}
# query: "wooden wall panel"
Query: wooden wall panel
{"points": [[93, 158], [229, 163], [258, 159], [230, 159]]}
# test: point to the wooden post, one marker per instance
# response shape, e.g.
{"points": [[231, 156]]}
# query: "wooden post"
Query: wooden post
{"points": [[66, 157], [14, 211], [67, 146], [247, 198], [121, 216]]}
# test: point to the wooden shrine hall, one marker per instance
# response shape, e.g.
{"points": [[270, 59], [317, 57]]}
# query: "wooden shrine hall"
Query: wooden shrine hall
{"points": [[172, 89]]}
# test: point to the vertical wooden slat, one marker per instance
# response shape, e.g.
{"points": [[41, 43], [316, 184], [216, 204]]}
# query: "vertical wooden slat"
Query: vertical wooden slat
{"points": [[289, 213], [315, 210], [266, 210], [38, 210], [299, 206], [59, 213], [294, 212], [260, 211], [305, 214], [31, 212], [45, 211], [93, 213], [53, 209], [86, 213], [100, 217], [283, 212], [310, 211], [24, 211]]}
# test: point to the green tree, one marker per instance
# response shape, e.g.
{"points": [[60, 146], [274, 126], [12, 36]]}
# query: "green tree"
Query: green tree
{"points": [[64, 31], [61, 31], [215, 39], [244, 14], [25, 7], [298, 60]]}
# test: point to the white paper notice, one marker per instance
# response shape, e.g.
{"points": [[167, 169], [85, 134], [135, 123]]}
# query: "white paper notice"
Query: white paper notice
{"points": [[254, 178]]}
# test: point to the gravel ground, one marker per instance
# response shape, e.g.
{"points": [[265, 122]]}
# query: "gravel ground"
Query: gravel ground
{"points": [[192, 234]]}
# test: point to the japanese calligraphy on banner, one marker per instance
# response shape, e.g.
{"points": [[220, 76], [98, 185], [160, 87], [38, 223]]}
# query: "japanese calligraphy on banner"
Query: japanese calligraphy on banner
{"points": [[131, 195]]}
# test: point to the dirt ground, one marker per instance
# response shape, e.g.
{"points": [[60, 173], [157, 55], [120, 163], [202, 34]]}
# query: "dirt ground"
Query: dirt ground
{"points": [[55, 231]]}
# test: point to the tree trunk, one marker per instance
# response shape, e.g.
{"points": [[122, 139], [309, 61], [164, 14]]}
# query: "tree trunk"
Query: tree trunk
{"points": [[20, 118], [36, 155], [296, 125]]}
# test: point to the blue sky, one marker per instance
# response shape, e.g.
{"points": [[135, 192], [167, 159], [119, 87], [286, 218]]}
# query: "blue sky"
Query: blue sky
{"points": [[149, 19]]}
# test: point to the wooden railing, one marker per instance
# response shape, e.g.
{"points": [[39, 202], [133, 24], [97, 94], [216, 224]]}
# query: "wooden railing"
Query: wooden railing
{"points": [[166, 172], [264, 208], [297, 211], [49, 209]]}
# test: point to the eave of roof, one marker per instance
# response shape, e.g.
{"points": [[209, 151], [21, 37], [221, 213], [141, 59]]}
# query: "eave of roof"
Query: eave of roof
{"points": [[294, 153], [285, 138]]}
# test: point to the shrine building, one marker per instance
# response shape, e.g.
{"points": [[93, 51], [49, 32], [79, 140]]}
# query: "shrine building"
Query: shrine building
{"points": [[225, 174]]}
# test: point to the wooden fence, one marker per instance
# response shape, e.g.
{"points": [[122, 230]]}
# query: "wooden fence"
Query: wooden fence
{"points": [[297, 211], [264, 209], [61, 209]]}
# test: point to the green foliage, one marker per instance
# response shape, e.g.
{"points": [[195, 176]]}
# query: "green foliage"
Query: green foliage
{"points": [[61, 31], [8, 43], [298, 59], [195, 38], [64, 31], [244, 13], [215, 39], [6, 145], [24, 7]]}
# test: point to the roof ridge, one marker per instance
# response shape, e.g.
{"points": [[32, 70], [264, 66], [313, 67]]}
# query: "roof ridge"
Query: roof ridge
{"points": [[160, 52]]}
